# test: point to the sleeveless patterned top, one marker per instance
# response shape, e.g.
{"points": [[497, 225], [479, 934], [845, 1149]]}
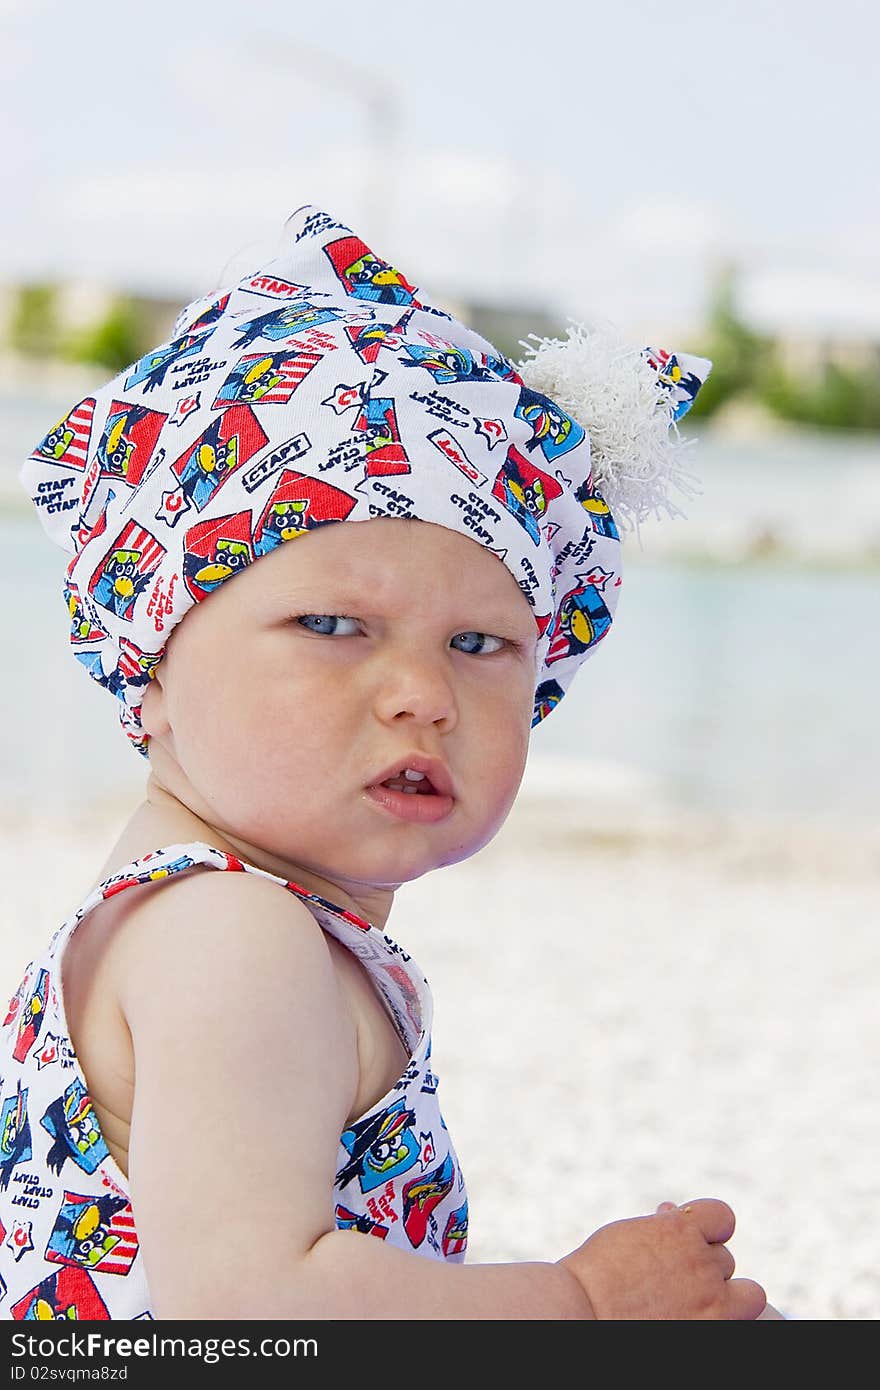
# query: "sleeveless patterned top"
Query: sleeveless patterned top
{"points": [[68, 1233]]}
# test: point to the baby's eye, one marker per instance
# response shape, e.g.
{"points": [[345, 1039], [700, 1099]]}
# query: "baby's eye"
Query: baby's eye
{"points": [[326, 621], [481, 637]]}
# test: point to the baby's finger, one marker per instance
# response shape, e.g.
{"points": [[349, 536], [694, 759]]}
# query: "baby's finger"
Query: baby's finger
{"points": [[665, 1206], [714, 1218], [723, 1258], [747, 1300]]}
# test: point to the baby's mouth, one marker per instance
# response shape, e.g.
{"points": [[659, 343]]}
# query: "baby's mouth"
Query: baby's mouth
{"points": [[411, 783], [410, 795], [416, 774]]}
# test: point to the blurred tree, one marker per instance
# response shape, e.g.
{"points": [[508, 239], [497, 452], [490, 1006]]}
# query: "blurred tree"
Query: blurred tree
{"points": [[116, 340], [738, 355], [748, 364], [33, 323], [837, 399]]}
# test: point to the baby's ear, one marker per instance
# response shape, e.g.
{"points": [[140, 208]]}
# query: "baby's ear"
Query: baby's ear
{"points": [[154, 715]]}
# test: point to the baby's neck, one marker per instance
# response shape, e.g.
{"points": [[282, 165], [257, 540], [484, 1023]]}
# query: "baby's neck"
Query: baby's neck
{"points": [[163, 819]]}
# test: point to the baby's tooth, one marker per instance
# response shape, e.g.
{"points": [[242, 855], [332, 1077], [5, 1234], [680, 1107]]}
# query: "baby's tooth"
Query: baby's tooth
{"points": [[410, 791], [413, 776]]}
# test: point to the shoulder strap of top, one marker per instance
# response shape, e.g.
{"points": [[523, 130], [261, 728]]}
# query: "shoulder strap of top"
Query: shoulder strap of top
{"points": [[394, 971]]}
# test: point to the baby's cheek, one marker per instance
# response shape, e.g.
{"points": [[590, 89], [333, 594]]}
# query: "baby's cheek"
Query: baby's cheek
{"points": [[505, 745]]}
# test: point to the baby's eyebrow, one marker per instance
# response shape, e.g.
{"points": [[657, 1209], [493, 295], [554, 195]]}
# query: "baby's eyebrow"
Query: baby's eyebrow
{"points": [[320, 595], [325, 593]]}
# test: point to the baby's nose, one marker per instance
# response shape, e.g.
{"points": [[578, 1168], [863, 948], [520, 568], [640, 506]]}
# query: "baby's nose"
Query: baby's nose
{"points": [[417, 688]]}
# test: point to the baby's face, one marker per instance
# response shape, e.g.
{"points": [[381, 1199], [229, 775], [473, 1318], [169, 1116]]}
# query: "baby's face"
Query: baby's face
{"points": [[291, 689]]}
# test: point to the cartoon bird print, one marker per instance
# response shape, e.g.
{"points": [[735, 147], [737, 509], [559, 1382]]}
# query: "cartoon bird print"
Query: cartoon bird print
{"points": [[377, 430], [286, 322], [82, 1124], [578, 623], [526, 491], [216, 456], [524, 497], [31, 1018], [259, 379], [383, 448], [69, 1294], [284, 521], [553, 431], [15, 1134], [422, 1195], [456, 1231], [582, 618], [44, 1312], [547, 697], [230, 557], [347, 1220], [676, 374], [86, 1234], [91, 1240], [449, 364], [598, 511], [74, 1126], [365, 275], [120, 581], [116, 448], [152, 369], [528, 496], [206, 468], [372, 278], [82, 629], [380, 1147], [57, 441], [388, 1148], [251, 380]]}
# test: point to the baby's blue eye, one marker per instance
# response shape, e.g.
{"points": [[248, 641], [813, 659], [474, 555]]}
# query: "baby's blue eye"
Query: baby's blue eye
{"points": [[327, 619], [483, 637]]}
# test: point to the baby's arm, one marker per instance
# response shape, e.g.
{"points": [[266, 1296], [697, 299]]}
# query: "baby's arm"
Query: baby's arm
{"points": [[246, 1071]]}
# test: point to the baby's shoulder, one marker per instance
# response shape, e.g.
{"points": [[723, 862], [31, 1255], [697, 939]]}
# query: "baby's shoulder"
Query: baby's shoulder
{"points": [[193, 949], [196, 914], [216, 930], [183, 963], [193, 922]]}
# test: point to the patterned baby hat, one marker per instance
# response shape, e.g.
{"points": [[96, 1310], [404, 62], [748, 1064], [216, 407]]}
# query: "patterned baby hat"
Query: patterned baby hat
{"points": [[324, 387]]}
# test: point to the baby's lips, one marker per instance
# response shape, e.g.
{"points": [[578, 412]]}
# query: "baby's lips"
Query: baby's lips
{"points": [[434, 769]]}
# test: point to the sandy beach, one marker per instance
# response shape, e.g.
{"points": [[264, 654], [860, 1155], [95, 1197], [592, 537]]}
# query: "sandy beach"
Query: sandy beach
{"points": [[638, 1008]]}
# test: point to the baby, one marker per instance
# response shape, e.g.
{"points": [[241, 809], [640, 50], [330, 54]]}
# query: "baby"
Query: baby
{"points": [[217, 1086]]}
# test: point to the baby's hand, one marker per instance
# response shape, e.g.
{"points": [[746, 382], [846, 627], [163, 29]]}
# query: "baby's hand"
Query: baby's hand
{"points": [[673, 1265]]}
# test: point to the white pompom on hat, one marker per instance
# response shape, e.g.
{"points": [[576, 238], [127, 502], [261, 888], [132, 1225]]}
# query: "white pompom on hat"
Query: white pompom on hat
{"points": [[610, 386]]}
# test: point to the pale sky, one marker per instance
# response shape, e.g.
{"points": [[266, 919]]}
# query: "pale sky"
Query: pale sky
{"points": [[598, 158]]}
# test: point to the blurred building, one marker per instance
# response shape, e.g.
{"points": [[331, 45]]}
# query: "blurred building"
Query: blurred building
{"points": [[816, 318]]}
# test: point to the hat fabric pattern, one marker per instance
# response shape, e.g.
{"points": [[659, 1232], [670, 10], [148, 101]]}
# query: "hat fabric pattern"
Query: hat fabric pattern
{"points": [[321, 388]]}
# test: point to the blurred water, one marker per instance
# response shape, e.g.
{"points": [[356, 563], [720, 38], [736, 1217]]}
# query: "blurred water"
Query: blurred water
{"points": [[747, 688], [808, 494], [742, 687]]}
